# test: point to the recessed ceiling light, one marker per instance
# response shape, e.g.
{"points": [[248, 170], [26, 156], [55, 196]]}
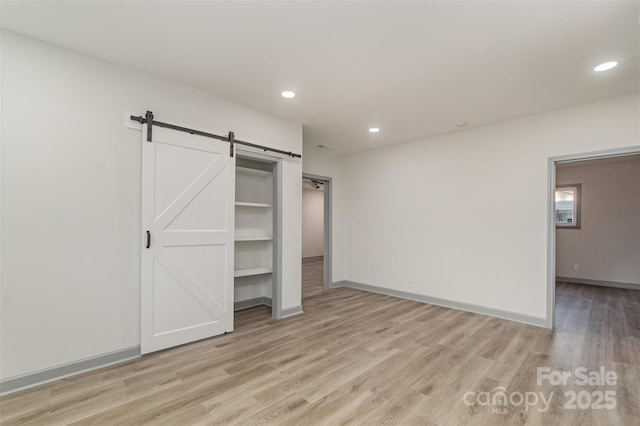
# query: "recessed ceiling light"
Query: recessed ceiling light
{"points": [[461, 124], [288, 94], [374, 130], [605, 66]]}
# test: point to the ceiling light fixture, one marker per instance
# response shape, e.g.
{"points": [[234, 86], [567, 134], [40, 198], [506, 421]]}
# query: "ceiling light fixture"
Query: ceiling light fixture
{"points": [[288, 94], [460, 124], [374, 130], [605, 66], [313, 182]]}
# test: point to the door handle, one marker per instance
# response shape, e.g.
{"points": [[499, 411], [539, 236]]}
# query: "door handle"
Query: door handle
{"points": [[148, 239]]}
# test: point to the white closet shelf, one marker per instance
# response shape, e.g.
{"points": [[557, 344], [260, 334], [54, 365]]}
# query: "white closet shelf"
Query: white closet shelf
{"points": [[252, 271], [253, 238], [244, 204], [254, 172]]}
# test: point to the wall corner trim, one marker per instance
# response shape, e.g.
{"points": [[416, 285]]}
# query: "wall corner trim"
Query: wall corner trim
{"points": [[14, 384], [477, 309], [294, 310]]}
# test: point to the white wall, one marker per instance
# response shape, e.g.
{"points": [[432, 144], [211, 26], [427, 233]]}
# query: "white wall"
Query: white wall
{"points": [[292, 231], [322, 162], [71, 198], [312, 222], [607, 245], [466, 213]]}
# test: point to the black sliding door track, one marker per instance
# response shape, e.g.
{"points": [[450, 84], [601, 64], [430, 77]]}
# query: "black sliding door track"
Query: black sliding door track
{"points": [[150, 122]]}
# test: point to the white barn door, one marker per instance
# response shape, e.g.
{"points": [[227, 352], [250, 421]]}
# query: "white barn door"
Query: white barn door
{"points": [[188, 197]]}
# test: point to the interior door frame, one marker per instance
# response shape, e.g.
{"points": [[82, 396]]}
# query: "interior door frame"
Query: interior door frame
{"points": [[327, 246], [276, 275], [551, 226]]}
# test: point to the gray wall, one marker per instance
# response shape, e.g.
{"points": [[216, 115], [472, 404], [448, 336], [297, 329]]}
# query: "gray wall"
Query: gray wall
{"points": [[607, 247]]}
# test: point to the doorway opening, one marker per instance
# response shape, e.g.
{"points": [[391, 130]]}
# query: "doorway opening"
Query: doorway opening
{"points": [[593, 239], [316, 234]]}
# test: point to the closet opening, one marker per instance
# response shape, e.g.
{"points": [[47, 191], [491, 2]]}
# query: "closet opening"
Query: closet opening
{"points": [[257, 245], [316, 234]]}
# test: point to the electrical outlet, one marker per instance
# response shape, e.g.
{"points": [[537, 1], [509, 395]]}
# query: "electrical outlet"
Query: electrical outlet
{"points": [[576, 267], [412, 279]]}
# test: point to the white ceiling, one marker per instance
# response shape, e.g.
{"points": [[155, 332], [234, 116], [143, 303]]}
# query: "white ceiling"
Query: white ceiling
{"points": [[413, 69]]}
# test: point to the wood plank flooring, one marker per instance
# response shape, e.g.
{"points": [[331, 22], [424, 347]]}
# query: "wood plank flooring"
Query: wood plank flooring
{"points": [[312, 274], [361, 358]]}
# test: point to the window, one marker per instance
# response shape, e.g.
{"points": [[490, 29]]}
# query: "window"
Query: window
{"points": [[568, 206]]}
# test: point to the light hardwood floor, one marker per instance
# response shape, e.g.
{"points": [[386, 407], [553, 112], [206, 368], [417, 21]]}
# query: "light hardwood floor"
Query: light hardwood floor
{"points": [[312, 273], [360, 358]]}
